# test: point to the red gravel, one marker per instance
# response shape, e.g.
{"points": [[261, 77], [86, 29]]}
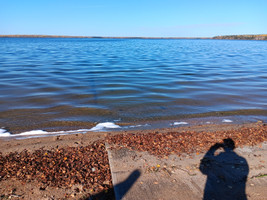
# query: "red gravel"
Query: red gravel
{"points": [[88, 166], [164, 144]]}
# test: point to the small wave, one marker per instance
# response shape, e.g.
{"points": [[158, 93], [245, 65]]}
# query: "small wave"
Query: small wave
{"points": [[4, 133], [40, 133], [105, 125], [179, 123], [138, 125], [227, 121], [33, 132]]}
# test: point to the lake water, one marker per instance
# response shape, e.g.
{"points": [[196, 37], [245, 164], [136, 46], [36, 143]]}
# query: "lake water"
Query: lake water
{"points": [[60, 83]]}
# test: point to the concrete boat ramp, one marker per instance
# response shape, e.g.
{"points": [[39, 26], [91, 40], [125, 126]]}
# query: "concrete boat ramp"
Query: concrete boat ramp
{"points": [[139, 175]]}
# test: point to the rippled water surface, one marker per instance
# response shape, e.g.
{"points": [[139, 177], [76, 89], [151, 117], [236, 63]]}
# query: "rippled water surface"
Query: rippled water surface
{"points": [[57, 82]]}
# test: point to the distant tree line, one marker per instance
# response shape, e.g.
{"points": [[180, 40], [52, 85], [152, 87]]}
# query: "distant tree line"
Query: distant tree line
{"points": [[242, 37]]}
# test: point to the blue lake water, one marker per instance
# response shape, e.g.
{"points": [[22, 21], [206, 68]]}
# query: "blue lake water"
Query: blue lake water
{"points": [[63, 82]]}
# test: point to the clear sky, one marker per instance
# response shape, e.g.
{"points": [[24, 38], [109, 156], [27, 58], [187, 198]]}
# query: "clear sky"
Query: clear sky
{"points": [[147, 18]]}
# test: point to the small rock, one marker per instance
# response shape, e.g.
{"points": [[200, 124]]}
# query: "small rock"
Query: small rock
{"points": [[73, 195]]}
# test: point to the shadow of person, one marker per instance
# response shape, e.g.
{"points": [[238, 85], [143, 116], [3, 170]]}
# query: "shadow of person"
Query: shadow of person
{"points": [[120, 189], [226, 173]]}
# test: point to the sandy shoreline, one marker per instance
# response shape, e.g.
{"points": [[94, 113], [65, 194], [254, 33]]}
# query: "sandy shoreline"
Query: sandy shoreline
{"points": [[9, 144], [194, 140]]}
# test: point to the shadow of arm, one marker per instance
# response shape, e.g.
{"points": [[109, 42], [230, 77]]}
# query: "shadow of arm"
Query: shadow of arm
{"points": [[205, 163]]}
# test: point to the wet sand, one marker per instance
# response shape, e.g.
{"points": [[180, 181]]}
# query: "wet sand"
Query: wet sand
{"points": [[20, 159]]}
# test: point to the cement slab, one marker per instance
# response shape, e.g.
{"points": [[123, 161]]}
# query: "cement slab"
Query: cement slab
{"points": [[139, 175]]}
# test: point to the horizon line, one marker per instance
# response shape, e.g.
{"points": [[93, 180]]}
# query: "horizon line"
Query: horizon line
{"points": [[230, 37], [104, 37]]}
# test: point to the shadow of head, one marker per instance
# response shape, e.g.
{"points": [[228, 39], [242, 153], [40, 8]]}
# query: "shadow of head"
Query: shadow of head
{"points": [[228, 144]]}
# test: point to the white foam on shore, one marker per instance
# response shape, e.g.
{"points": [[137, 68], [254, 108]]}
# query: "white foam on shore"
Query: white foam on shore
{"points": [[4, 133], [138, 125], [179, 123], [41, 133], [227, 121], [103, 126], [33, 132]]}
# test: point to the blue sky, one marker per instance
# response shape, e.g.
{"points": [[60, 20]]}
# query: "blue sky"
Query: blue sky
{"points": [[147, 18]]}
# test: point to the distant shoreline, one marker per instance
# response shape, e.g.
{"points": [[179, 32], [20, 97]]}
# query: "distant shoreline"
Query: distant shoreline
{"points": [[225, 37], [95, 37], [242, 37]]}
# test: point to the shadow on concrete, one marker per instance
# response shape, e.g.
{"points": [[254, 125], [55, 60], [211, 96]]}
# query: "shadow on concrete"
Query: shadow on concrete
{"points": [[226, 172], [119, 190]]}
